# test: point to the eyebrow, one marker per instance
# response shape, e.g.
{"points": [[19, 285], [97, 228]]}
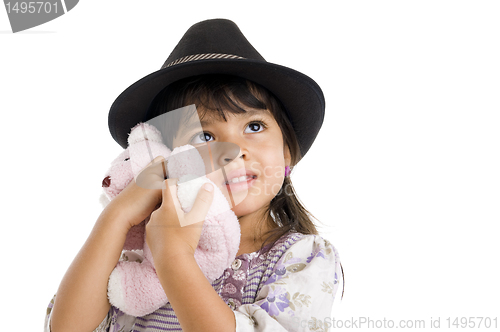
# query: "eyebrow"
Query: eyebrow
{"points": [[184, 130]]}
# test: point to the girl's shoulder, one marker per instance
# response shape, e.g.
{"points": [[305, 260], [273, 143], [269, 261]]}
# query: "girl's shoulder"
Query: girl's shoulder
{"points": [[294, 254], [310, 245], [297, 240], [298, 247]]}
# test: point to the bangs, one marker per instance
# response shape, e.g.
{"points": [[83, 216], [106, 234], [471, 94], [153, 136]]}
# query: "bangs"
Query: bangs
{"points": [[217, 97]]}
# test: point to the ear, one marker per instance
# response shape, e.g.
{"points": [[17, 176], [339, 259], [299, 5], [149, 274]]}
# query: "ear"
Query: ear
{"points": [[287, 156]]}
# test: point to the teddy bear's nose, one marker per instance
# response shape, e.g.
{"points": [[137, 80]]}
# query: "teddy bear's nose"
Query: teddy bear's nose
{"points": [[106, 182]]}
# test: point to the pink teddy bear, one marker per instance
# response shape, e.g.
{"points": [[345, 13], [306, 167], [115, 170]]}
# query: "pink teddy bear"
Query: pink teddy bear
{"points": [[133, 285]]}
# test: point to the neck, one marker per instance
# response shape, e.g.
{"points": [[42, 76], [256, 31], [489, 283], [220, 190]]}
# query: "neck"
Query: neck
{"points": [[253, 226]]}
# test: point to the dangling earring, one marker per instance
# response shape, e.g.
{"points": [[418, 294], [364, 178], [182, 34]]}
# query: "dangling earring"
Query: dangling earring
{"points": [[287, 171]]}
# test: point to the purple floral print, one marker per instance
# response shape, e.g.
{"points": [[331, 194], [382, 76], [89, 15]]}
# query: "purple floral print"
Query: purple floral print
{"points": [[115, 313], [276, 301], [281, 268], [318, 252]]}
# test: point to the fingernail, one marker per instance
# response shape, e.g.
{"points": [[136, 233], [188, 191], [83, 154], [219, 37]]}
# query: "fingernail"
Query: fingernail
{"points": [[208, 187]]}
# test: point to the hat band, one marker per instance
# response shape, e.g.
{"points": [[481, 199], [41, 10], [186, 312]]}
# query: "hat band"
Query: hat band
{"points": [[204, 56]]}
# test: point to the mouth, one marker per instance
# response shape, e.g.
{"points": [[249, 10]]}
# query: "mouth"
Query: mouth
{"points": [[243, 178], [238, 180]]}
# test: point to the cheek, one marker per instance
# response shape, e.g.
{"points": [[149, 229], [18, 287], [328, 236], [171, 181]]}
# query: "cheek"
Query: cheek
{"points": [[272, 163], [271, 178]]}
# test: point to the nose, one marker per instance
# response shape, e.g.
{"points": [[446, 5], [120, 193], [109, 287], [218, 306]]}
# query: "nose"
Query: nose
{"points": [[222, 153], [234, 148], [237, 153]]}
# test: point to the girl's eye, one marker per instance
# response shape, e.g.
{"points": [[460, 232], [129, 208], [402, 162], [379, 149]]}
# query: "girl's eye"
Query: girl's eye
{"points": [[255, 127], [201, 138]]}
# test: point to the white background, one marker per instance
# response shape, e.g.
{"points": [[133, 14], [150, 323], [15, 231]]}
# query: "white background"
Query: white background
{"points": [[404, 173]]}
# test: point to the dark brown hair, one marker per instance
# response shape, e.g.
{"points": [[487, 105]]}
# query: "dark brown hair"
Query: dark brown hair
{"points": [[223, 93]]}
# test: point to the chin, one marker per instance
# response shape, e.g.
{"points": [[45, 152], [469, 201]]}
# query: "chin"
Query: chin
{"points": [[247, 206]]}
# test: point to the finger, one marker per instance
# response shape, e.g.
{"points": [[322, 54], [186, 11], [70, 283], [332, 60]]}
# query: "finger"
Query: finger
{"points": [[152, 175], [157, 159], [201, 205], [169, 192], [170, 200], [170, 203]]}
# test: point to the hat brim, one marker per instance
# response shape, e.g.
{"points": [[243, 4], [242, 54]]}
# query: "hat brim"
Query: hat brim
{"points": [[300, 95]]}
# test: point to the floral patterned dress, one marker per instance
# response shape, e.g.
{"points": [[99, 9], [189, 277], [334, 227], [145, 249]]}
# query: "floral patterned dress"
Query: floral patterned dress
{"points": [[290, 287]]}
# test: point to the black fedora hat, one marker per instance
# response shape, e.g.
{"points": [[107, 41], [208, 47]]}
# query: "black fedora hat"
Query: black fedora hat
{"points": [[218, 47]]}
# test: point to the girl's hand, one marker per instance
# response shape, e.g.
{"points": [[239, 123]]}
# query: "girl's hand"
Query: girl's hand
{"points": [[135, 203], [170, 231]]}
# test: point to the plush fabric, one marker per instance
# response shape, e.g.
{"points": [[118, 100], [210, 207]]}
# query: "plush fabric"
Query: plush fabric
{"points": [[133, 285]]}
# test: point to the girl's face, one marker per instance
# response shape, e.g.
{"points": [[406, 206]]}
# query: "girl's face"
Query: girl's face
{"points": [[260, 165]]}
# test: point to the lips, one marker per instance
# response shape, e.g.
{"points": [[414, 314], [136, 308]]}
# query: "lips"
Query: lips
{"points": [[239, 180], [239, 176]]}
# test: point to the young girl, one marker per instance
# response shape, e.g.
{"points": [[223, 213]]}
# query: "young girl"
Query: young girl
{"points": [[285, 276]]}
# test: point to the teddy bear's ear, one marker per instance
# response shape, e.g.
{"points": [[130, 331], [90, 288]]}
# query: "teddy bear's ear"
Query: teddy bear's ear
{"points": [[142, 132], [145, 144]]}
